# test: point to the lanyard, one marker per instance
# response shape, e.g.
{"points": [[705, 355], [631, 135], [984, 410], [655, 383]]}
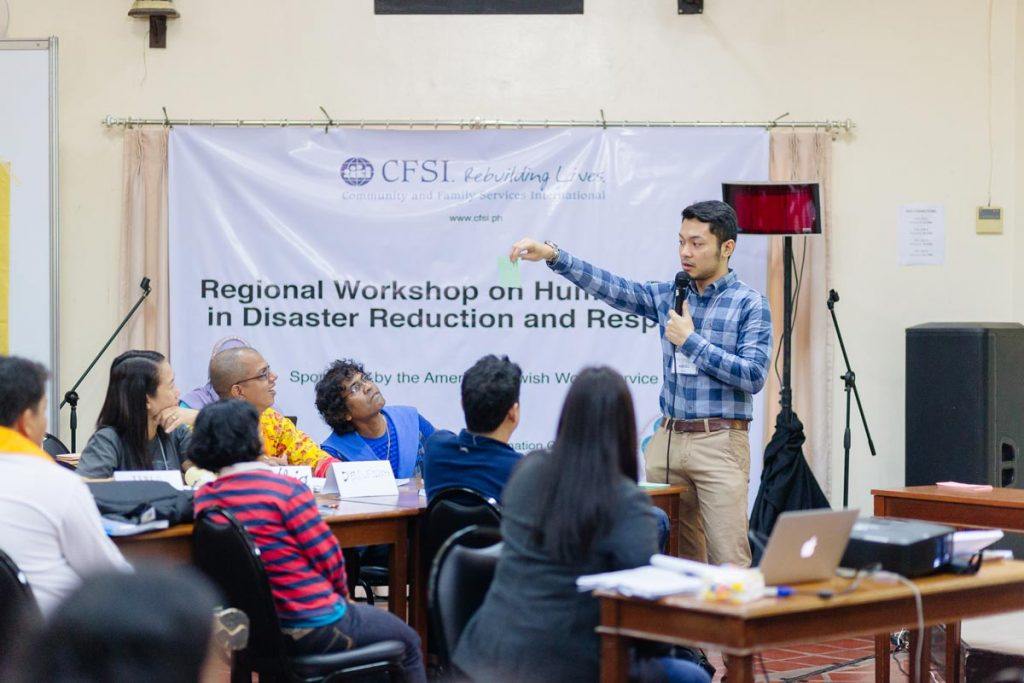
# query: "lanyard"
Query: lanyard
{"points": [[163, 453], [712, 307]]}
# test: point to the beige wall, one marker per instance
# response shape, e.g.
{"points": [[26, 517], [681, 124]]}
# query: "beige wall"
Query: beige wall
{"points": [[911, 74], [1018, 117]]}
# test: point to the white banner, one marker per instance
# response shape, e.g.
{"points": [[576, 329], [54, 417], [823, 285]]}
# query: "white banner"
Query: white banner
{"points": [[387, 247]]}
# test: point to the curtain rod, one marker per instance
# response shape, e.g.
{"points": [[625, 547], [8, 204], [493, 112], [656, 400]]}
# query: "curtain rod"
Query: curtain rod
{"points": [[476, 123]]}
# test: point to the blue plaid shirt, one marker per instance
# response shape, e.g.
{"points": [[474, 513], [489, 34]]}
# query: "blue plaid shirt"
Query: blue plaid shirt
{"points": [[730, 346]]}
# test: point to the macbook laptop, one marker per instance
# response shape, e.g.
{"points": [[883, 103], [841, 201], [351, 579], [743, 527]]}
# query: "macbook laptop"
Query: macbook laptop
{"points": [[806, 545]]}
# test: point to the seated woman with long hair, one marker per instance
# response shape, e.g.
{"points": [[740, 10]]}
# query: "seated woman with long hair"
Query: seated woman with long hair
{"points": [[304, 563], [140, 426], [570, 511]]}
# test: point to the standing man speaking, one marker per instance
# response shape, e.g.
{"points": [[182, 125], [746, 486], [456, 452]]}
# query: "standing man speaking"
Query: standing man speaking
{"points": [[715, 356]]}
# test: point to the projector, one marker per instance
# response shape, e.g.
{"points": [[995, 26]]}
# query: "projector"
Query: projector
{"points": [[904, 546]]}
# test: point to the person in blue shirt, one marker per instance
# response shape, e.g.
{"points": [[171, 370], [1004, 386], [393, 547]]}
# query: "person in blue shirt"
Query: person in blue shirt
{"points": [[364, 428], [479, 457]]}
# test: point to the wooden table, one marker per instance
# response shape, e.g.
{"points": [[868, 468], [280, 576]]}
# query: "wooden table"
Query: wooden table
{"points": [[996, 509], [667, 498], [409, 500], [740, 631], [379, 520], [354, 523]]}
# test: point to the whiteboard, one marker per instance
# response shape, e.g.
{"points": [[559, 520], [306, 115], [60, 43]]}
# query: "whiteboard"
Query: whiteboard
{"points": [[28, 145]]}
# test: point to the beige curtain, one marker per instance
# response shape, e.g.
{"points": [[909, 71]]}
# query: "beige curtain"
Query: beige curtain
{"points": [[806, 155], [144, 239]]}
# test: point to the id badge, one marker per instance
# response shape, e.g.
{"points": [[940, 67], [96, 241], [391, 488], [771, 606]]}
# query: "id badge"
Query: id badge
{"points": [[684, 366]]}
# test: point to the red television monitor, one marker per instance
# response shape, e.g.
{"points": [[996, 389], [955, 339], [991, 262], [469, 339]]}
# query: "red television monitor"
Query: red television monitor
{"points": [[775, 208]]}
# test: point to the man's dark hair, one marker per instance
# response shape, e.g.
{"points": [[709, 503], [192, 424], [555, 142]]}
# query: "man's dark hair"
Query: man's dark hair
{"points": [[719, 216], [489, 390], [331, 399], [226, 432], [22, 386], [151, 625]]}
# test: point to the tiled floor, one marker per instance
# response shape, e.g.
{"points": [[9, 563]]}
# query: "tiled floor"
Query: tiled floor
{"points": [[850, 660]]}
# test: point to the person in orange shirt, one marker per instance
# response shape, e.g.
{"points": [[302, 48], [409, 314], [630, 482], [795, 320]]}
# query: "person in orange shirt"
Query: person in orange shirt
{"points": [[244, 373]]}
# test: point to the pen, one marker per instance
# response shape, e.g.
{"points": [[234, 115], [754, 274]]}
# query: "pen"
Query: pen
{"points": [[777, 591]]}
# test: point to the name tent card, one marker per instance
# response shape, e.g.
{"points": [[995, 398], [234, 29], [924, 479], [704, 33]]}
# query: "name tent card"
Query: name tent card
{"points": [[172, 477], [303, 473], [361, 479]]}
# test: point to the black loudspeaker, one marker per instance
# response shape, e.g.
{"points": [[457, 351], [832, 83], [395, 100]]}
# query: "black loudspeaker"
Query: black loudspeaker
{"points": [[965, 403]]}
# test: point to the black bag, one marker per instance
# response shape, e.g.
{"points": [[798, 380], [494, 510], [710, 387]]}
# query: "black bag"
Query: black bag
{"points": [[787, 482], [131, 501]]}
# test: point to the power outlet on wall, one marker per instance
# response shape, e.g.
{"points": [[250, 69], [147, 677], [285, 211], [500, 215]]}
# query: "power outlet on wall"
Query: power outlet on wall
{"points": [[989, 220]]}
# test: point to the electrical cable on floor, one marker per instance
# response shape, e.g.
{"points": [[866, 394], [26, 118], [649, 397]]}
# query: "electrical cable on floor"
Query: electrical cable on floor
{"points": [[920, 617], [764, 669]]}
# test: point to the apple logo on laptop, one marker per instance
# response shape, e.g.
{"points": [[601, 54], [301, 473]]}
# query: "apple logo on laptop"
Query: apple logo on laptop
{"points": [[808, 547]]}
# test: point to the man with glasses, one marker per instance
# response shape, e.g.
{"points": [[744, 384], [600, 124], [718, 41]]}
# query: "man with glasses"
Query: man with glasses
{"points": [[363, 427], [244, 373]]}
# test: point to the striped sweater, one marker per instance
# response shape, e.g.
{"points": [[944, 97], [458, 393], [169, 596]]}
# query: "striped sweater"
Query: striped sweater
{"points": [[302, 558]]}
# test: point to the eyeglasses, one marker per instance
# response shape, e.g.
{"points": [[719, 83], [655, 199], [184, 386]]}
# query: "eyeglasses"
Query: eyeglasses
{"points": [[358, 385], [263, 376]]}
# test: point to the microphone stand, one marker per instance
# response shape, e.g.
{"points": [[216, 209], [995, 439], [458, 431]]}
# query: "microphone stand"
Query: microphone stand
{"points": [[850, 384], [71, 397]]}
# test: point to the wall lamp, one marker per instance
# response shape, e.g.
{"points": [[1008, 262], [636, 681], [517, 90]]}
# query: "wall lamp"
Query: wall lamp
{"points": [[158, 12]]}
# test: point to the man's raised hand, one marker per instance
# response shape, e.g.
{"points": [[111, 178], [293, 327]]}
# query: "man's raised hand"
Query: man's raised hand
{"points": [[530, 250]]}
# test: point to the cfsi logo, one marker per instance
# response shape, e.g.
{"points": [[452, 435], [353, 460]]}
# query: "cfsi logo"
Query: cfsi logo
{"points": [[357, 171]]}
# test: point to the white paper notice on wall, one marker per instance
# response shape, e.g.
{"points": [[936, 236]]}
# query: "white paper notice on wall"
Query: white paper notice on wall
{"points": [[922, 235], [360, 479], [172, 477]]}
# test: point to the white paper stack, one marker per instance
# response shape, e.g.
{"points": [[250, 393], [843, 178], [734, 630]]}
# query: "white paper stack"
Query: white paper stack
{"points": [[172, 477], [116, 528], [681, 565], [643, 582], [970, 542]]}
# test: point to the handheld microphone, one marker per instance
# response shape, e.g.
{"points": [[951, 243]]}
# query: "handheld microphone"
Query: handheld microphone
{"points": [[682, 286]]}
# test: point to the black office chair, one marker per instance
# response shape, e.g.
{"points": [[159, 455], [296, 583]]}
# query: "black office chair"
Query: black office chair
{"points": [[459, 579], [453, 509], [19, 612], [450, 510], [224, 551], [365, 576], [54, 447]]}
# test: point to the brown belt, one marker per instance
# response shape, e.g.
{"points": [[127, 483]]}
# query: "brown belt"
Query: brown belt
{"points": [[708, 424]]}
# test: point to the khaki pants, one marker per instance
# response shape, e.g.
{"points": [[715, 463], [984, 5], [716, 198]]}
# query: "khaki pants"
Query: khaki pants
{"points": [[715, 468]]}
